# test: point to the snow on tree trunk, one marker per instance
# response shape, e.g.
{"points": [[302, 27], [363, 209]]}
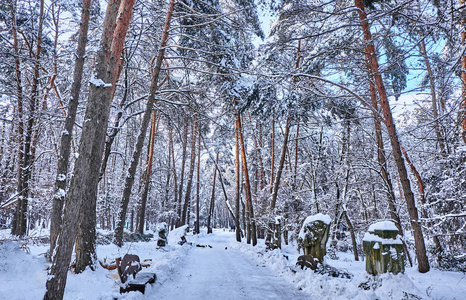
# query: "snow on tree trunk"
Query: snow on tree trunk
{"points": [[83, 186]]}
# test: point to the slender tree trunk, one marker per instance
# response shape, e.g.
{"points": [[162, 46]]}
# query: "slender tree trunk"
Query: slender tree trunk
{"points": [[196, 228], [67, 133], [423, 262], [148, 172], [175, 179], [272, 155], [237, 182], [83, 186], [24, 191], [353, 236], [463, 71], [295, 171], [118, 240], [281, 165], [212, 199], [249, 205], [183, 163], [187, 198], [19, 96], [381, 157]]}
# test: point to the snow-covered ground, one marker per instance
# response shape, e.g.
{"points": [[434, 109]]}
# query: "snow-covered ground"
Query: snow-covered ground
{"points": [[228, 270]]}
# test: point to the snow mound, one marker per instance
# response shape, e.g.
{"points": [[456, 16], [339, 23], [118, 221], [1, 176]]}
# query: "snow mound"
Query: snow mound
{"points": [[24, 270]]}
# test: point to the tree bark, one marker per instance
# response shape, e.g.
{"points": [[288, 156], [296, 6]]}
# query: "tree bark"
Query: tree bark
{"points": [[276, 184], [463, 71], [175, 179], [148, 172], [237, 183], [183, 164], [196, 228], [19, 96], [83, 186], [118, 239], [187, 197], [212, 199], [249, 205], [353, 236], [67, 133], [423, 262]]}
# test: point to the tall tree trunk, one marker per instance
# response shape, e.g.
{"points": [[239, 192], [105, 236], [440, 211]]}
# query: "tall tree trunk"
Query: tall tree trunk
{"points": [[247, 191], [212, 199], [183, 163], [187, 197], [67, 133], [83, 186], [272, 155], [463, 71], [148, 172], [237, 182], [196, 228], [423, 262], [175, 179], [382, 159], [19, 96], [118, 239], [26, 172], [276, 184]]}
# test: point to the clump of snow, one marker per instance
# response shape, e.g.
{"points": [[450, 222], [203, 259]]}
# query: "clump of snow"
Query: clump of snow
{"points": [[99, 82], [176, 234], [383, 225], [317, 217], [369, 237]]}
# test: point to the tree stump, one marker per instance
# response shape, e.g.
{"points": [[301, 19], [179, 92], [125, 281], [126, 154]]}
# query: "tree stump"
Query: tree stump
{"points": [[162, 230], [313, 236], [384, 249]]}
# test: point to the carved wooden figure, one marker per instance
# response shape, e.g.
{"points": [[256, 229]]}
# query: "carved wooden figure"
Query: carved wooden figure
{"points": [[313, 236]]}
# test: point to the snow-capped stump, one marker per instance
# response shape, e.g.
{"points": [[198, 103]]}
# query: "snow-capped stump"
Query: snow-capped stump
{"points": [[313, 236], [162, 230], [383, 249], [277, 237]]}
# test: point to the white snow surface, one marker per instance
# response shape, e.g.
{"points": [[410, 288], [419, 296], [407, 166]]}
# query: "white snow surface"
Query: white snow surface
{"points": [[369, 237], [228, 270], [383, 225]]}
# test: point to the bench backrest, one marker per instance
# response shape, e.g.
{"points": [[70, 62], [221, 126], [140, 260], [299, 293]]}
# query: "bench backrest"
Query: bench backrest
{"points": [[129, 265]]}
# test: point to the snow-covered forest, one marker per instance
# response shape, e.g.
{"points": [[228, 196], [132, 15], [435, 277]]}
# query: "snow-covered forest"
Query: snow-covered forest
{"points": [[241, 116]]}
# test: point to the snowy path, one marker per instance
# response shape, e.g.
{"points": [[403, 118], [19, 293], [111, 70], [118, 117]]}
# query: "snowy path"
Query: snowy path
{"points": [[219, 273]]}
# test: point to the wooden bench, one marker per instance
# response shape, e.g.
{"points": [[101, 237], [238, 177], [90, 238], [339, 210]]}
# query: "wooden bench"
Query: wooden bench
{"points": [[131, 278]]}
